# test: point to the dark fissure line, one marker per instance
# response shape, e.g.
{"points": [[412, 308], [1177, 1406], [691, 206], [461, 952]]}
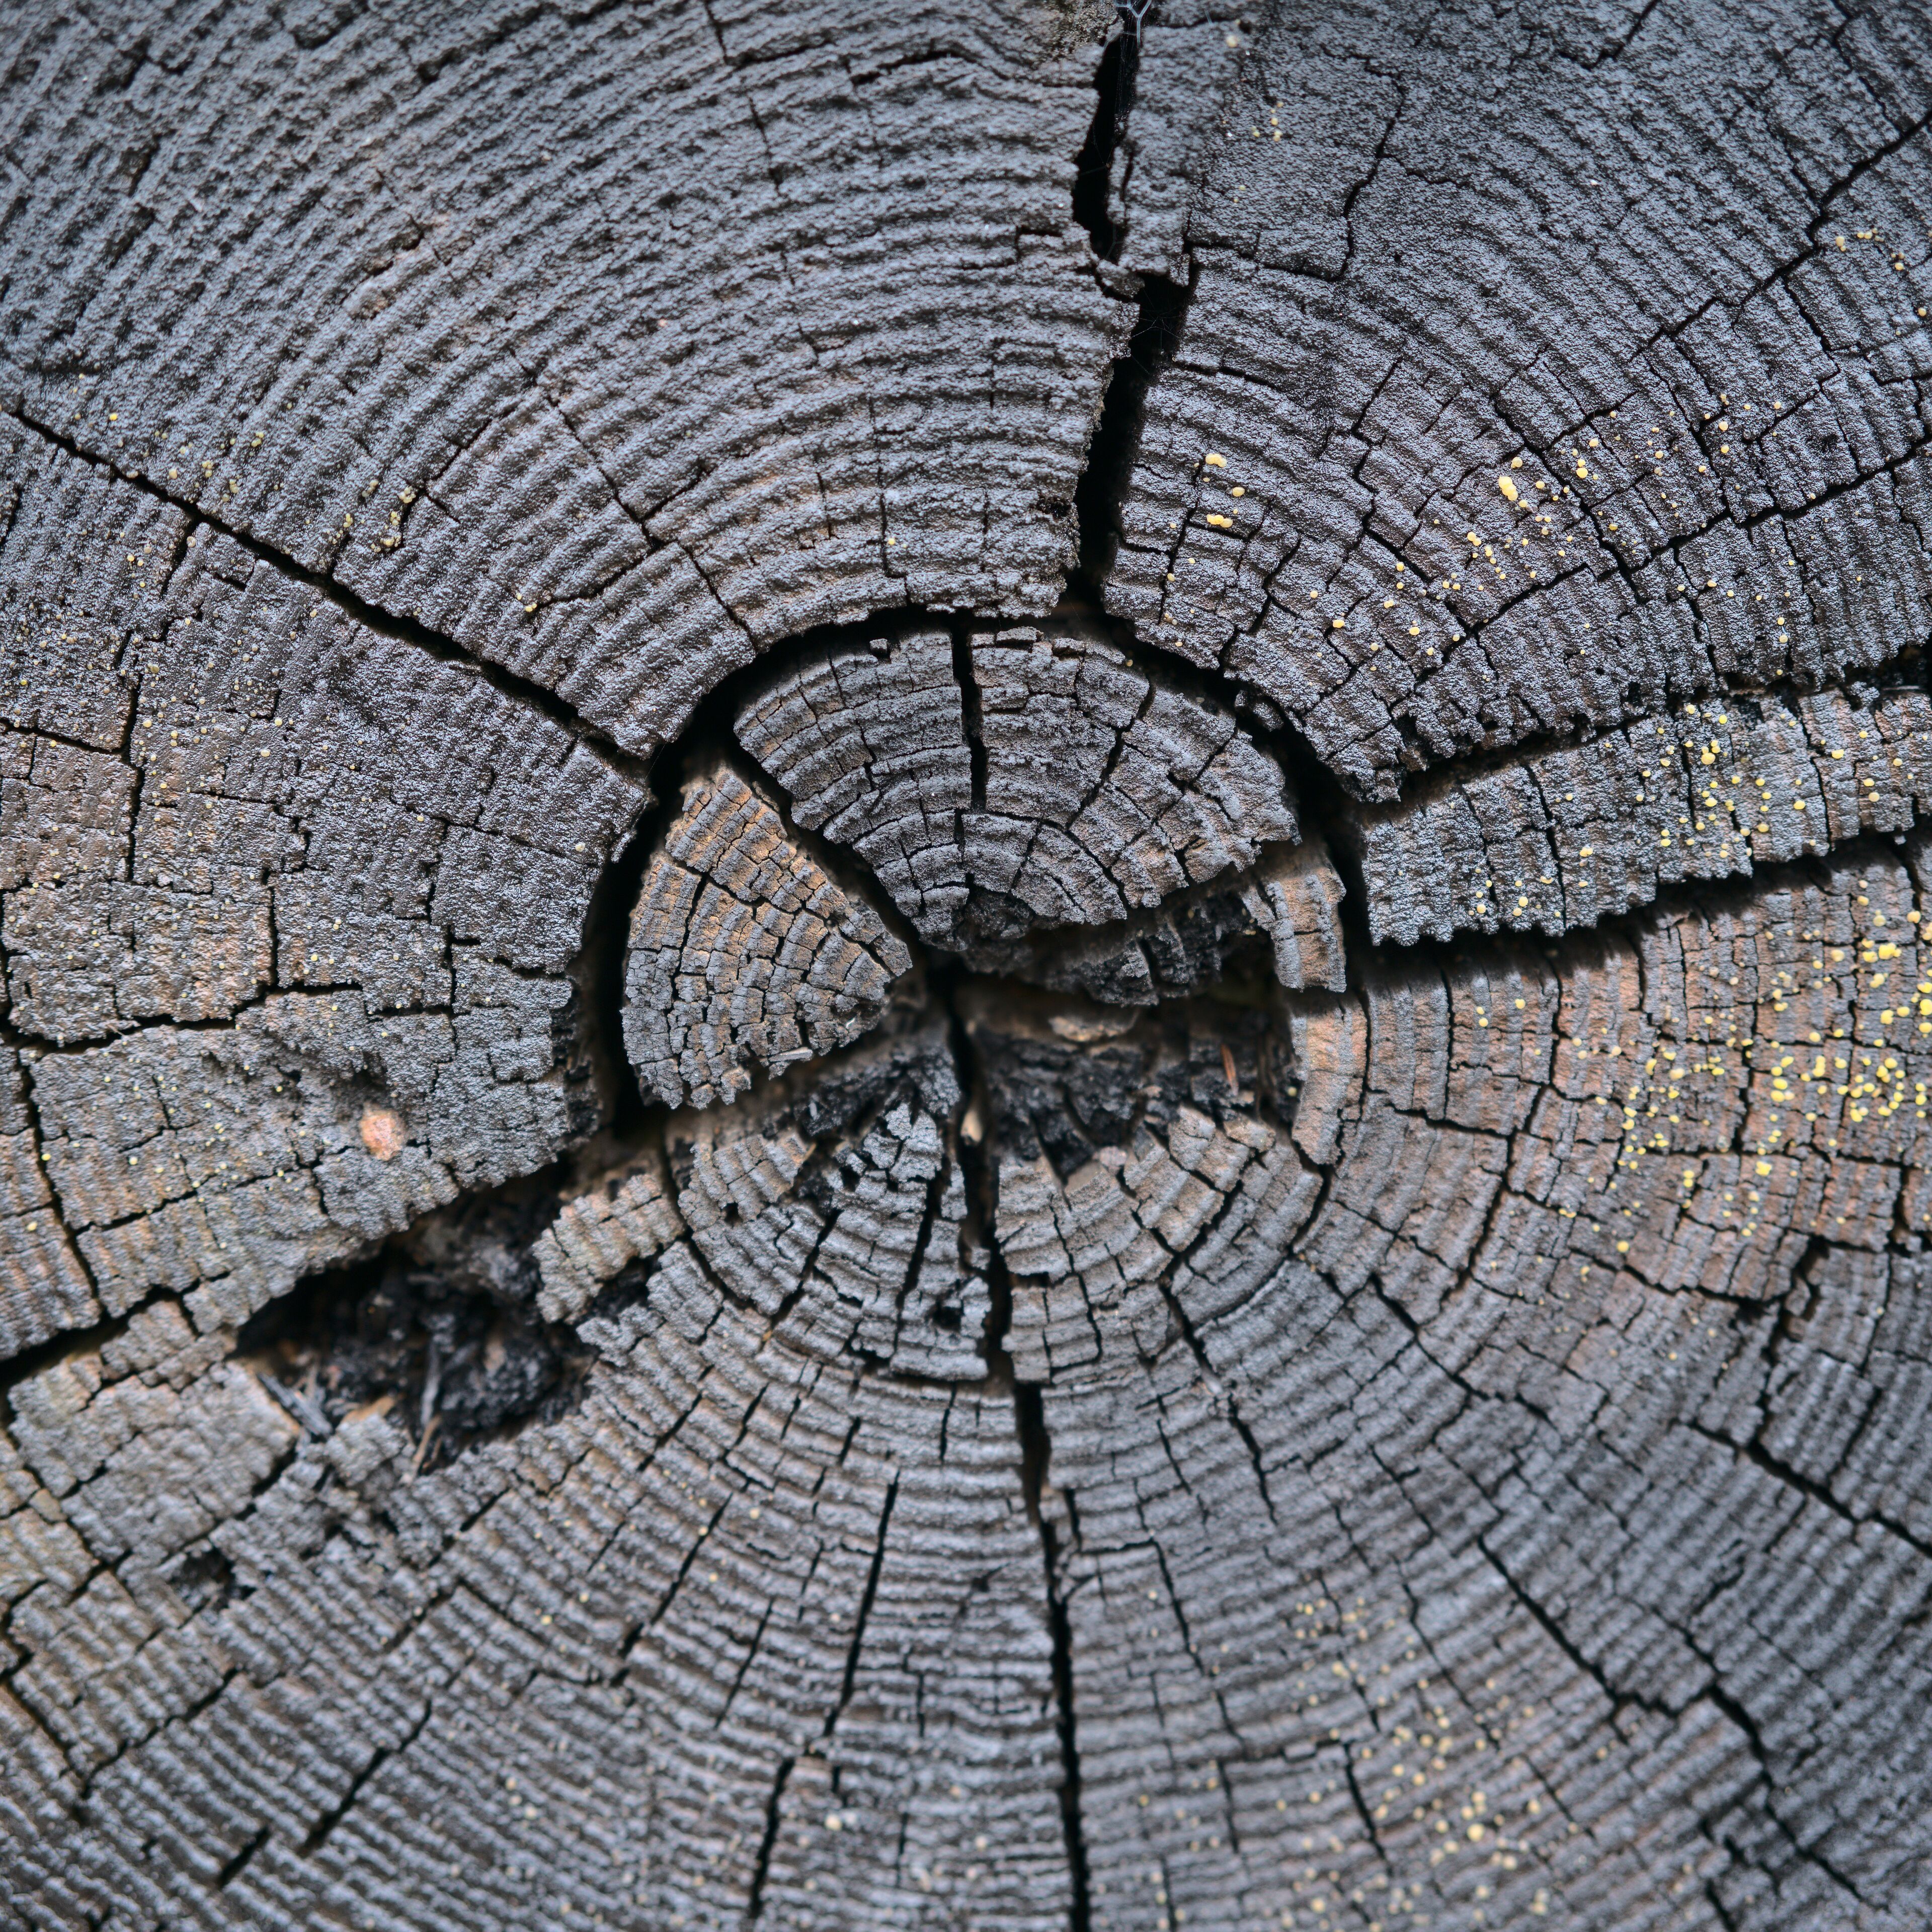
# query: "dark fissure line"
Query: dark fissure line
{"points": [[1198, 1349], [1754, 1738], [1559, 1635], [935, 1190], [691, 1556], [1036, 1453], [972, 718], [30, 1094], [236, 1866], [1108, 470], [327, 1822], [1101, 493], [1362, 1811], [371, 616], [598, 970], [866, 1599], [30, 1362], [979, 1171], [1755, 1453], [754, 1903]]}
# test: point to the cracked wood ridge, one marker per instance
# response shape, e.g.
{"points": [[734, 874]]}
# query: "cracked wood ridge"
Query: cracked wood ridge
{"points": [[963, 966]]}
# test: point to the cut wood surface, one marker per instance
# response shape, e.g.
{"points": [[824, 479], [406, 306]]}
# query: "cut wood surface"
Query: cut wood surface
{"points": [[963, 967]]}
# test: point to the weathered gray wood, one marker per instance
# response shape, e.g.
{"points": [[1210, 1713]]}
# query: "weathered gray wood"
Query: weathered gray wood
{"points": [[962, 967], [1568, 837]]}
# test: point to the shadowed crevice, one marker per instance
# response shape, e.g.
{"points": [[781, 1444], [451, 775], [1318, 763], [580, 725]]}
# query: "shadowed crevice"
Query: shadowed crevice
{"points": [[979, 1165], [1115, 83], [1160, 316], [1036, 1456], [439, 1327], [754, 1903], [1101, 494]]}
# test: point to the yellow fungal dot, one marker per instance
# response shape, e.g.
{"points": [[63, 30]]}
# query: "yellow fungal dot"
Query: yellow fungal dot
{"points": [[1508, 488], [1214, 462]]}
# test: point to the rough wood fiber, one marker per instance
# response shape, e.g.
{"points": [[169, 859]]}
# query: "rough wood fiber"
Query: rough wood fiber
{"points": [[818, 335], [1224, 1222], [1564, 838], [292, 914]]}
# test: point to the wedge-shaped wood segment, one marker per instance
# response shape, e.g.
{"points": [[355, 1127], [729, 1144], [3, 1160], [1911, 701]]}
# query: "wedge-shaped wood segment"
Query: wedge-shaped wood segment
{"points": [[801, 1549], [743, 952], [1566, 838], [1508, 1227], [1466, 431], [837, 1209], [646, 344], [292, 915]]}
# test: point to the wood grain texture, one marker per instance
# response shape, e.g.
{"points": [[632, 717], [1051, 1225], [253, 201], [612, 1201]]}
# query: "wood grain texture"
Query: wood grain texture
{"points": [[1532, 435], [1566, 838], [963, 967]]}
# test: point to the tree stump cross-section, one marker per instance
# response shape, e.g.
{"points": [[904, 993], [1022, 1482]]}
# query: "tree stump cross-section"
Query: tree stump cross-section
{"points": [[961, 966]]}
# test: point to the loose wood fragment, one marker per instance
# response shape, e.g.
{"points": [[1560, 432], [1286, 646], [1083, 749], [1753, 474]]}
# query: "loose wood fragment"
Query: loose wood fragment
{"points": [[1296, 897], [1280, 919]]}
